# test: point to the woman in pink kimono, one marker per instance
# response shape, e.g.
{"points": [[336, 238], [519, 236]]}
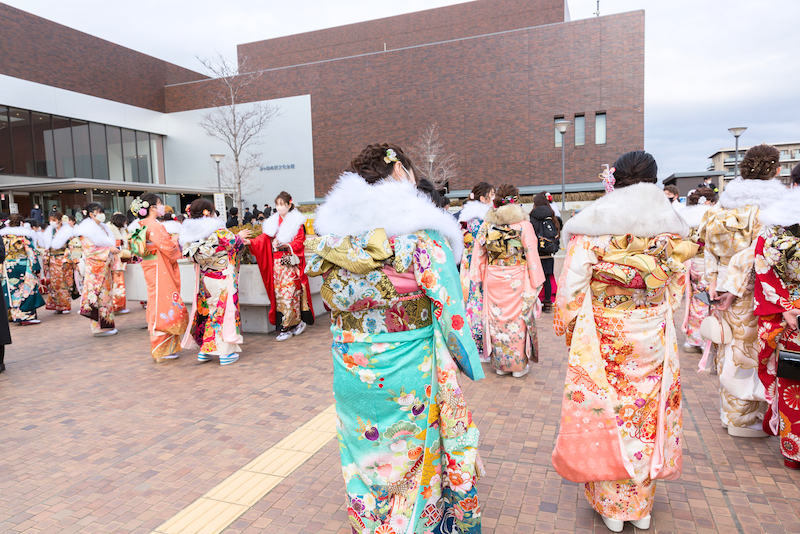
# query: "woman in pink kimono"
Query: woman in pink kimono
{"points": [[505, 259], [622, 280]]}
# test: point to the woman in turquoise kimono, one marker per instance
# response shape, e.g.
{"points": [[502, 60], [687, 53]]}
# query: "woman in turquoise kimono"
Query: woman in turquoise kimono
{"points": [[409, 447], [21, 272]]}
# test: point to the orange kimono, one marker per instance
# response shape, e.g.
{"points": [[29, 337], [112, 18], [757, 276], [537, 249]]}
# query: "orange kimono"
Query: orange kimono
{"points": [[167, 316]]}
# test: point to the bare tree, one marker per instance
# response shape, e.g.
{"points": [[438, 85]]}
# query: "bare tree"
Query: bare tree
{"points": [[433, 160], [235, 123]]}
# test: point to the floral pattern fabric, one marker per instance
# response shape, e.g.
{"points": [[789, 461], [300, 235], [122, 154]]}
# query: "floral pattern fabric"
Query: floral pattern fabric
{"points": [[505, 260], [778, 290], [216, 325], [696, 309], [60, 277], [621, 423], [730, 237], [473, 291], [408, 444], [20, 278], [97, 301]]}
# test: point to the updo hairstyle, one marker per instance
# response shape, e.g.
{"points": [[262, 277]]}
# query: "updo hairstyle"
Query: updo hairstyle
{"points": [[505, 190], [635, 167], [152, 199], [286, 198], [371, 165], [761, 162], [694, 198], [198, 206], [481, 189], [91, 207], [119, 220], [15, 219]]}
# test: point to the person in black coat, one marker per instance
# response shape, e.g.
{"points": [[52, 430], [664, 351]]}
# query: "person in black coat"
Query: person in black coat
{"points": [[5, 333], [234, 219], [542, 212]]}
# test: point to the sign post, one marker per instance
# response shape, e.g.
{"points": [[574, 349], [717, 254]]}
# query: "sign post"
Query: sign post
{"points": [[219, 203]]}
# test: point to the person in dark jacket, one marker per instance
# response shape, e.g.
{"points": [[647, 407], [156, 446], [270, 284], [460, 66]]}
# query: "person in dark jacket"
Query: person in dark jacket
{"points": [[543, 212], [247, 216], [36, 214], [234, 219], [5, 333]]}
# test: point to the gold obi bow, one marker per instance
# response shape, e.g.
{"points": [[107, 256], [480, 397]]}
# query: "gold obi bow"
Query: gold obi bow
{"points": [[503, 241], [655, 259], [357, 254]]}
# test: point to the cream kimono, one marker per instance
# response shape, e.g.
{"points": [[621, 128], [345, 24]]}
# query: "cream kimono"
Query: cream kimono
{"points": [[621, 411], [730, 230]]}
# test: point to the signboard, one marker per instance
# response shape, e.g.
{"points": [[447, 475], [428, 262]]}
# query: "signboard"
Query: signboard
{"points": [[219, 203], [13, 207]]}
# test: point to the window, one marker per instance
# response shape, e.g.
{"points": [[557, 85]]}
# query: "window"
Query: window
{"points": [[22, 141], [114, 137], [6, 155], [62, 141], [143, 151], [129, 160], [600, 129], [97, 137], [157, 153], [580, 130], [81, 148], [43, 144], [559, 137]]}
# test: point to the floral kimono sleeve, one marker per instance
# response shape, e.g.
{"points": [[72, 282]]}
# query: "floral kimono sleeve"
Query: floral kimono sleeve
{"points": [[772, 295], [535, 271], [33, 259], [90, 250], [435, 272], [477, 268], [573, 284]]}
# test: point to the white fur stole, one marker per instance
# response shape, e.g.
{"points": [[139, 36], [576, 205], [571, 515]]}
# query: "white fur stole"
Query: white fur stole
{"points": [[761, 193], [57, 240], [284, 231], [508, 214], [353, 207], [785, 212], [20, 231], [99, 234], [172, 227], [693, 215], [198, 229], [641, 210], [474, 209]]}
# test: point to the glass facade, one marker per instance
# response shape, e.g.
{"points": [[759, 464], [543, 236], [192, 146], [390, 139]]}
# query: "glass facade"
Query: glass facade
{"points": [[40, 144]]}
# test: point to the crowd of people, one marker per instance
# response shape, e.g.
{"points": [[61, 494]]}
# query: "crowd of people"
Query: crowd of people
{"points": [[419, 299]]}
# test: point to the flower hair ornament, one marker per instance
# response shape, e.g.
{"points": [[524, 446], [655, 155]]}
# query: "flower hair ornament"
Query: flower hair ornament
{"points": [[139, 207], [391, 157], [608, 178], [64, 219], [702, 200], [471, 196], [508, 200], [549, 197]]}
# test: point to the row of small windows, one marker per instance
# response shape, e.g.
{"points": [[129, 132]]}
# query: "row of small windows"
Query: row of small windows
{"points": [[40, 144], [579, 127]]}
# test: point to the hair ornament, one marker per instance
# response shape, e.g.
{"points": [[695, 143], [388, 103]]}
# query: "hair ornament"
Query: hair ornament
{"points": [[508, 200], [391, 156], [702, 200], [139, 207], [608, 178], [472, 196], [549, 197], [64, 219]]}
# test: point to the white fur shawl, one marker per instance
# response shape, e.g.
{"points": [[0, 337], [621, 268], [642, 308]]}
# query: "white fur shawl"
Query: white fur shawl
{"points": [[693, 215], [353, 207], [508, 214], [198, 229], [785, 212], [641, 210], [474, 209], [20, 231], [761, 193], [99, 234], [132, 227], [62, 235], [172, 227], [284, 231]]}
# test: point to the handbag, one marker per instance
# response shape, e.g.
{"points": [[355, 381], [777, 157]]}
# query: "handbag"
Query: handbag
{"points": [[716, 330], [788, 364], [290, 260]]}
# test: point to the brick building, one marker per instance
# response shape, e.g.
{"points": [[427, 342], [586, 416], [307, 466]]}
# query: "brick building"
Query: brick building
{"points": [[493, 74]]}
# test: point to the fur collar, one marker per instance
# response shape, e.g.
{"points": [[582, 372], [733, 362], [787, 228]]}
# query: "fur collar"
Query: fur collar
{"points": [[62, 235], [505, 215], [693, 215], [20, 231], [172, 227], [785, 212], [99, 235], [761, 193], [285, 231], [198, 229], [132, 227], [353, 207], [641, 210], [474, 209]]}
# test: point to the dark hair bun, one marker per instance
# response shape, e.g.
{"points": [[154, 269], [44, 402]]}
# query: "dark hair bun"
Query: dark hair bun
{"points": [[760, 162], [371, 164], [635, 167]]}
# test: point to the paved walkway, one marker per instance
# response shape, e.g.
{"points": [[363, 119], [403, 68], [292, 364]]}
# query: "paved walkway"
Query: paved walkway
{"points": [[97, 438]]}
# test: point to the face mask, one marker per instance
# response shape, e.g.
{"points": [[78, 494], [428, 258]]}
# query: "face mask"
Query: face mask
{"points": [[161, 209], [283, 209], [100, 217]]}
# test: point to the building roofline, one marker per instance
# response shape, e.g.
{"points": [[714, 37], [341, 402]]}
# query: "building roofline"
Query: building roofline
{"points": [[745, 148], [88, 183]]}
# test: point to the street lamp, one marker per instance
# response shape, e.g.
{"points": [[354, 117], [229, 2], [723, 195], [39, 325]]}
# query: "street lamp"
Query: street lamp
{"points": [[561, 127], [431, 159], [736, 132], [218, 158]]}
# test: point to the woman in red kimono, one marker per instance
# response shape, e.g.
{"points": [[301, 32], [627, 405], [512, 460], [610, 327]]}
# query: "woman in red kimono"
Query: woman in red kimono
{"points": [[777, 295], [280, 252]]}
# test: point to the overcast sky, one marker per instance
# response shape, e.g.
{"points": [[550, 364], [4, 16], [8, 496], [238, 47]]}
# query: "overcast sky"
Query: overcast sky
{"points": [[709, 64]]}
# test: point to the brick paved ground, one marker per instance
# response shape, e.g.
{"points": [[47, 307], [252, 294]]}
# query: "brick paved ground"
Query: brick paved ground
{"points": [[97, 438]]}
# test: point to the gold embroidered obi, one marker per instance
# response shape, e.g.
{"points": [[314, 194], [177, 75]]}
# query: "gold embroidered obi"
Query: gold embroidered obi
{"points": [[504, 246], [16, 248]]}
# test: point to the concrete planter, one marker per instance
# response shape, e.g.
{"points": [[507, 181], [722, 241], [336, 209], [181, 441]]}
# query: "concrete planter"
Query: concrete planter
{"points": [[253, 300]]}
